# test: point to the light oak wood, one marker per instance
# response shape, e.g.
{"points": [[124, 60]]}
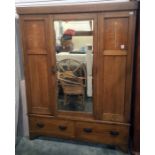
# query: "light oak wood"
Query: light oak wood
{"points": [[35, 36], [116, 33], [95, 132], [115, 52], [84, 119], [114, 87], [52, 126], [102, 133], [38, 79], [115, 65], [78, 8], [37, 61]]}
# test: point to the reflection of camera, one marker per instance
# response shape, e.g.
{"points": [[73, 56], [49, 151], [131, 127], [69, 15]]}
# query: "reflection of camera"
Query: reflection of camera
{"points": [[67, 45], [66, 40]]}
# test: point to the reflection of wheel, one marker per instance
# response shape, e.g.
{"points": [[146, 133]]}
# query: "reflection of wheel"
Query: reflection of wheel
{"points": [[72, 77], [70, 68]]}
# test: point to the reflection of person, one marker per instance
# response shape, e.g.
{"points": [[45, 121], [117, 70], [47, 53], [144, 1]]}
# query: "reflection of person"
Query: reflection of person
{"points": [[66, 40], [58, 48]]}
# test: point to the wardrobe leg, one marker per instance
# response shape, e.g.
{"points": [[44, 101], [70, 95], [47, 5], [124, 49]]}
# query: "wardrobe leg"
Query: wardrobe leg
{"points": [[123, 147], [135, 153], [33, 136]]}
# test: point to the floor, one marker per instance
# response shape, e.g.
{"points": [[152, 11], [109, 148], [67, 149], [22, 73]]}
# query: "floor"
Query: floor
{"points": [[74, 104], [53, 146]]}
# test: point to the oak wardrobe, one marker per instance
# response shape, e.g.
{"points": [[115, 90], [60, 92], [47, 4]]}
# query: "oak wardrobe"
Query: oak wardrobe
{"points": [[78, 62]]}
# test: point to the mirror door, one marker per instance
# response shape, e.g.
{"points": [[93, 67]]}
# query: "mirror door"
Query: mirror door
{"points": [[74, 54]]}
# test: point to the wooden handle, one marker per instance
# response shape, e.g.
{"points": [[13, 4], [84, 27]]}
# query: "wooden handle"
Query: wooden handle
{"points": [[88, 130], [40, 125], [61, 127], [114, 133]]}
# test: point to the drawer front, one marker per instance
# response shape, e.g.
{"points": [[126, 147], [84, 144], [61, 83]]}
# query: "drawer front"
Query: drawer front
{"points": [[50, 126], [102, 133]]}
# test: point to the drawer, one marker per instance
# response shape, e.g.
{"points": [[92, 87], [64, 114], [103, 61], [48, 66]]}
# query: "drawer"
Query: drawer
{"points": [[51, 126], [102, 133]]}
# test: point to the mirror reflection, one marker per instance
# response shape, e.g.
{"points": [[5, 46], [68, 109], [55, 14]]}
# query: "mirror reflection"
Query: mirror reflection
{"points": [[74, 56]]}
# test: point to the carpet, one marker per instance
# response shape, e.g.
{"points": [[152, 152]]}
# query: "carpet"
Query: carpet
{"points": [[54, 146]]}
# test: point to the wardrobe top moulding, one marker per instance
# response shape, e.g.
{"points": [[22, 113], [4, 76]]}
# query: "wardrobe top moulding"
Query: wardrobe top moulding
{"points": [[80, 8]]}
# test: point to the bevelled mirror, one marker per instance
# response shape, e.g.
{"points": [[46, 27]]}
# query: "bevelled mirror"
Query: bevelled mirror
{"points": [[74, 60]]}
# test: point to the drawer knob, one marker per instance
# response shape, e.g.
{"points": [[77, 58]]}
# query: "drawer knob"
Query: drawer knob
{"points": [[88, 130], [62, 128], [114, 133], [40, 125]]}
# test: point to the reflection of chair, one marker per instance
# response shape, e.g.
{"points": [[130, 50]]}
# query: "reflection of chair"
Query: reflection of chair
{"points": [[72, 77]]}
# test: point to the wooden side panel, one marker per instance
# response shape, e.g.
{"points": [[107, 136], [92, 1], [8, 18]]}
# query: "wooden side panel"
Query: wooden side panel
{"points": [[115, 59], [136, 93], [37, 61], [38, 69], [114, 87], [116, 33], [35, 36]]}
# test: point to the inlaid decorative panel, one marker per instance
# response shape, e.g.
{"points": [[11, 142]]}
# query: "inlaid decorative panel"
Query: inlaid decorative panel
{"points": [[40, 97], [38, 81], [35, 36], [116, 33], [114, 87]]}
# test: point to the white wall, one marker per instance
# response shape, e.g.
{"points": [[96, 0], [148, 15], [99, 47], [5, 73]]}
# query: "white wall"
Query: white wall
{"points": [[19, 89], [17, 75]]}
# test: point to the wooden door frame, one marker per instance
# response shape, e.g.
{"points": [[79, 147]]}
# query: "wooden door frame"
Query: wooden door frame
{"points": [[25, 59], [79, 16], [131, 41]]}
